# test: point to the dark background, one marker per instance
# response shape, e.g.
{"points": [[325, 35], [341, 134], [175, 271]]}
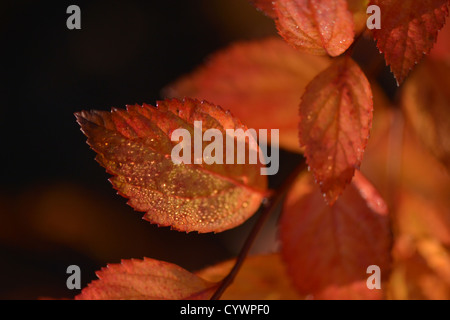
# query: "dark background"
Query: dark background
{"points": [[56, 206]]}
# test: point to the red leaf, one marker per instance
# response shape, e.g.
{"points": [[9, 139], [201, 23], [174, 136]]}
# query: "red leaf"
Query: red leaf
{"points": [[409, 29], [146, 279], [265, 6], [135, 146], [328, 249], [335, 120], [316, 26], [261, 82]]}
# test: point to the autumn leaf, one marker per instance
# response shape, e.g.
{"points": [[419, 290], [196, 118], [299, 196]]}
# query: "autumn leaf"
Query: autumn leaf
{"points": [[426, 102], [135, 147], [335, 121], [260, 82], [261, 277], [316, 26], [408, 31], [356, 7], [265, 6], [146, 279], [328, 249]]}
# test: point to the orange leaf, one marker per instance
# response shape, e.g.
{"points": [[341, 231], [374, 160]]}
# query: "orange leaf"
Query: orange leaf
{"points": [[265, 6], [261, 277], [335, 121], [409, 30], [135, 146], [426, 102], [146, 279], [356, 7], [316, 26], [261, 82], [328, 249]]}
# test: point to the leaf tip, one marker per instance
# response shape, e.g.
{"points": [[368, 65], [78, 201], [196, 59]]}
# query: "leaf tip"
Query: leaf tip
{"points": [[80, 116]]}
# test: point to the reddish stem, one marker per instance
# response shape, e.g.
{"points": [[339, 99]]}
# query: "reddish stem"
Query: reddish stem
{"points": [[274, 202]]}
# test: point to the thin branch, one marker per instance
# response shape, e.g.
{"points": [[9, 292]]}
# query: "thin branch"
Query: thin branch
{"points": [[274, 202]]}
